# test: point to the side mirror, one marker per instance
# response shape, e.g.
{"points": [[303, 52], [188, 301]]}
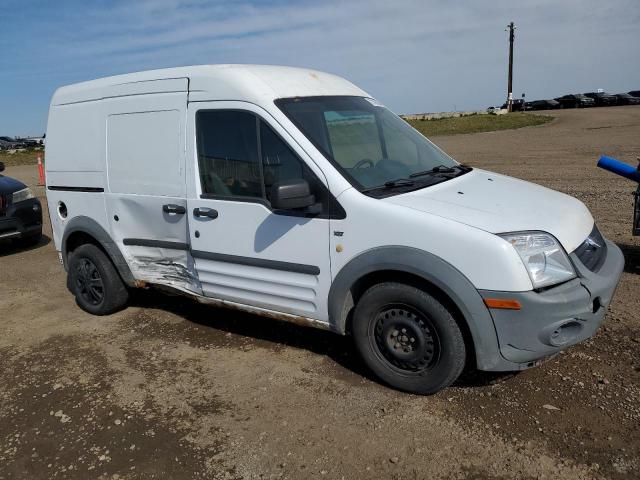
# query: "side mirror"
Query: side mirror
{"points": [[291, 195], [1, 167]]}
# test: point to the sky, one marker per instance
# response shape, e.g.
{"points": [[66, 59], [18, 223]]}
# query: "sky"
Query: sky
{"points": [[413, 55]]}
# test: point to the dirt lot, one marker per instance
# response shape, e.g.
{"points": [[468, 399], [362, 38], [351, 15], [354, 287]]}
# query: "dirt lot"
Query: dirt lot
{"points": [[171, 389]]}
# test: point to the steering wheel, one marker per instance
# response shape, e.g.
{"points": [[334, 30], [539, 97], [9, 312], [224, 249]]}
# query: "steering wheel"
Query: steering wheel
{"points": [[363, 162]]}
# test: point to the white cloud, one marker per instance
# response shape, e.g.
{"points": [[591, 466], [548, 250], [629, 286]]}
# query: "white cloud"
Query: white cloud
{"points": [[414, 55]]}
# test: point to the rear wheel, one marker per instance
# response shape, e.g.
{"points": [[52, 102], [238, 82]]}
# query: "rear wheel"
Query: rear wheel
{"points": [[408, 338], [94, 281]]}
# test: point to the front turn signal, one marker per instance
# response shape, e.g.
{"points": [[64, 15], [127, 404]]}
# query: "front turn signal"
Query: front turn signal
{"points": [[502, 303]]}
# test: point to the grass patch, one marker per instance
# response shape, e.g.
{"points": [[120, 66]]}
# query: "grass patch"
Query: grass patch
{"points": [[28, 157], [477, 123]]}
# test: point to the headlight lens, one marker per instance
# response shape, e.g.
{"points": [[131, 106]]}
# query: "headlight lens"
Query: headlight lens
{"points": [[21, 195], [543, 257]]}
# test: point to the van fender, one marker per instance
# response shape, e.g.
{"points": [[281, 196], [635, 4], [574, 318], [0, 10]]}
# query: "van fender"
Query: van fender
{"points": [[434, 270], [89, 226]]}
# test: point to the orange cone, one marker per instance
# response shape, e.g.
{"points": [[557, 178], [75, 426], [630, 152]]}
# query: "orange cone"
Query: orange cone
{"points": [[40, 171]]}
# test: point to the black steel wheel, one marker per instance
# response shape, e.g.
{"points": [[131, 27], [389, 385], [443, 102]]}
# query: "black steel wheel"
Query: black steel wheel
{"points": [[88, 281], [408, 338], [94, 281]]}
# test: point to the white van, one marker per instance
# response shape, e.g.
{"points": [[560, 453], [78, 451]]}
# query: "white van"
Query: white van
{"points": [[293, 194]]}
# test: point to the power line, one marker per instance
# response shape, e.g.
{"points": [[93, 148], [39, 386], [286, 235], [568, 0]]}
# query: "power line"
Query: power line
{"points": [[511, 30]]}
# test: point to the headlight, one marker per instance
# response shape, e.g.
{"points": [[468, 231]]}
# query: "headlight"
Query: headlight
{"points": [[21, 195], [543, 257]]}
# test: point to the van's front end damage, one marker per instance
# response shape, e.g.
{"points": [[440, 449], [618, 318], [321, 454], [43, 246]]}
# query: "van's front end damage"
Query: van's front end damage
{"points": [[536, 324]]}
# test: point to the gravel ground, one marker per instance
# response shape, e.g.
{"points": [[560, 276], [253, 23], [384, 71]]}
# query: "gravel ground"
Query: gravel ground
{"points": [[171, 389]]}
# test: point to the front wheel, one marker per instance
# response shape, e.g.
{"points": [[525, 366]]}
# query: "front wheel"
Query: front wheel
{"points": [[408, 339]]}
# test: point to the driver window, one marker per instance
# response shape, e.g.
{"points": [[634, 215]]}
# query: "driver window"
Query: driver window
{"points": [[231, 145], [228, 153], [354, 138], [280, 163]]}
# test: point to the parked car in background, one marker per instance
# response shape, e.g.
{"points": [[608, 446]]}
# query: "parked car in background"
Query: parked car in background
{"points": [[542, 105], [7, 143], [495, 110], [20, 212], [575, 100], [10, 143], [635, 93], [517, 105], [626, 99], [603, 99]]}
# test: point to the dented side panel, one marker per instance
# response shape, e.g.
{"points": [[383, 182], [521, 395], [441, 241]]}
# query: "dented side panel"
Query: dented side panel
{"points": [[143, 231], [164, 266]]}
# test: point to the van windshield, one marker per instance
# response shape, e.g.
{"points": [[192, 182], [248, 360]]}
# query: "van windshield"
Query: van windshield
{"points": [[371, 146]]}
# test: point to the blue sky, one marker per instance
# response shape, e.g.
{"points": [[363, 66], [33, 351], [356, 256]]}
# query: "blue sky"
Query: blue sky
{"points": [[413, 55]]}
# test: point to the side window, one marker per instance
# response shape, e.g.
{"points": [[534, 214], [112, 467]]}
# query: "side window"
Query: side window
{"points": [[240, 155], [228, 153]]}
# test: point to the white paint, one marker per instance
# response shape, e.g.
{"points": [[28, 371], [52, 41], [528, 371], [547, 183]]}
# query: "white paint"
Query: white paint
{"points": [[144, 153], [499, 204]]}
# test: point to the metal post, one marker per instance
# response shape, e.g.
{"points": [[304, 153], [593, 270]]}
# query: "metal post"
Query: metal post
{"points": [[511, 28]]}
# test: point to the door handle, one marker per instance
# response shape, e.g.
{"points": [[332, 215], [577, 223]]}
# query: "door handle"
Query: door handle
{"points": [[205, 212], [172, 208]]}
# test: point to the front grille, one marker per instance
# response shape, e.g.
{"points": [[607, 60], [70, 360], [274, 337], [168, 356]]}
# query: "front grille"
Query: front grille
{"points": [[593, 251]]}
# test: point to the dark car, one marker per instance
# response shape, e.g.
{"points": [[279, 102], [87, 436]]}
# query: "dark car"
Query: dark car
{"points": [[542, 105], [517, 105], [575, 100], [20, 212], [635, 93], [603, 99], [626, 99], [8, 142]]}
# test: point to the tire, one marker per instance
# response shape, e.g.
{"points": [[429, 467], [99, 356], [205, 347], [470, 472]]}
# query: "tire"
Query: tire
{"points": [[94, 281], [408, 339]]}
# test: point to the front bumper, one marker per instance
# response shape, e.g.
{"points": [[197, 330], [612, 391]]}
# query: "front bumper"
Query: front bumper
{"points": [[22, 219], [553, 319]]}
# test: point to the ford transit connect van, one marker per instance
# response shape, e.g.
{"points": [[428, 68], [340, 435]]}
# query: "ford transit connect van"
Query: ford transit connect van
{"points": [[294, 194]]}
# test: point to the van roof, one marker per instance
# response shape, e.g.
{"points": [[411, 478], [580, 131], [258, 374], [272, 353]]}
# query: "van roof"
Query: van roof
{"points": [[253, 83]]}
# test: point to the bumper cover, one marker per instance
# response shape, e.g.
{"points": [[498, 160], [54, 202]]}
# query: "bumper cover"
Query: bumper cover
{"points": [[21, 219], [554, 319]]}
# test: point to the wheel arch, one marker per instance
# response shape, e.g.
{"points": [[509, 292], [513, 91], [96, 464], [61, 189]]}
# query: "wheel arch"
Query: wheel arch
{"points": [[81, 230], [425, 271]]}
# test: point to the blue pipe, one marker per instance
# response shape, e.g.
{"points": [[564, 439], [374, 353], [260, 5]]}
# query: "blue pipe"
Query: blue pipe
{"points": [[619, 168]]}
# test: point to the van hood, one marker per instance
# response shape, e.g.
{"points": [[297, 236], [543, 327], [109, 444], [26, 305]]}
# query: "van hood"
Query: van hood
{"points": [[499, 204]]}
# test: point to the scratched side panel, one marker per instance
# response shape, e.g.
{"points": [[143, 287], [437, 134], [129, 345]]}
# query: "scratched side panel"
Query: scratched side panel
{"points": [[174, 268], [141, 217]]}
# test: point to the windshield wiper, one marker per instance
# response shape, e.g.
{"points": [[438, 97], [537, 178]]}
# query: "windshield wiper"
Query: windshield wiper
{"points": [[400, 182], [442, 169]]}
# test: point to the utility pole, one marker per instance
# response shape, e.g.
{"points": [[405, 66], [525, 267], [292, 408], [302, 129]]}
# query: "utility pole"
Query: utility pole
{"points": [[511, 28]]}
